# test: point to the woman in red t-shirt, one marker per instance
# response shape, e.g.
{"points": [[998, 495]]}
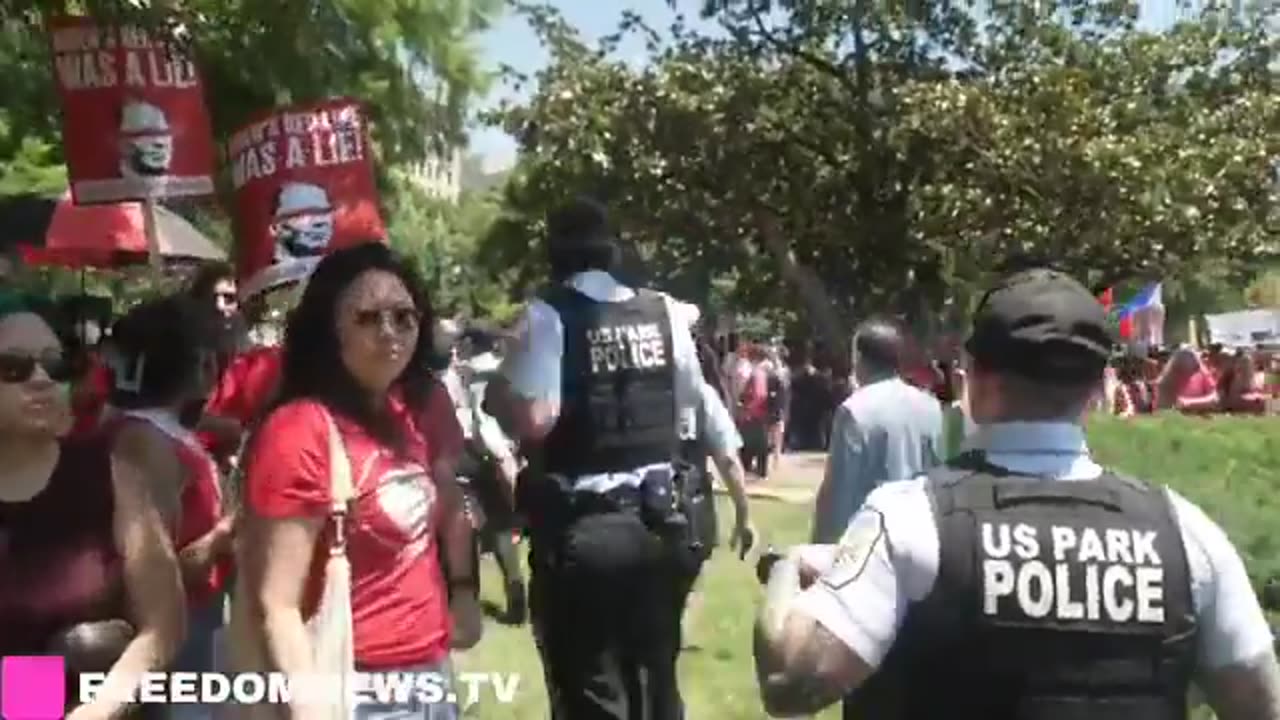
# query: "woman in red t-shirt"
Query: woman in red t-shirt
{"points": [[1187, 385], [165, 359], [355, 351]]}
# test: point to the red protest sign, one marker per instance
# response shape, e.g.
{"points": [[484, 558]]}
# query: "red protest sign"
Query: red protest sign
{"points": [[134, 123], [304, 185]]}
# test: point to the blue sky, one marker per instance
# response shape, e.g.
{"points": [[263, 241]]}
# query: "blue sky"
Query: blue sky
{"points": [[511, 42]]}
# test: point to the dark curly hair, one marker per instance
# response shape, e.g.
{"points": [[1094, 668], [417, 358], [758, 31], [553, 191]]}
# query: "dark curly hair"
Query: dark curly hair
{"points": [[312, 364], [170, 336], [208, 277]]}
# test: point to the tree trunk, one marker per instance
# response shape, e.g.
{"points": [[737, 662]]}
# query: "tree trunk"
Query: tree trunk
{"points": [[813, 292]]}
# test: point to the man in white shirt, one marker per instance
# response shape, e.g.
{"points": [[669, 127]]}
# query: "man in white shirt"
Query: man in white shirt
{"points": [[1021, 580], [592, 390]]}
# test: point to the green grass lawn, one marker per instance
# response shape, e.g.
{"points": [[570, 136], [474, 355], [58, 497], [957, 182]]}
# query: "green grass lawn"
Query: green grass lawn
{"points": [[1231, 467]]}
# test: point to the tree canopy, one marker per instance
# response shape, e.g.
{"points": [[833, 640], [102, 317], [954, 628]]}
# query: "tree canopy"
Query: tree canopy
{"points": [[411, 61], [887, 156], [442, 237]]}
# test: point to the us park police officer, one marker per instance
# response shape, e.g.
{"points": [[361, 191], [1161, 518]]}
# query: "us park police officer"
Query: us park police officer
{"points": [[1021, 580], [592, 388]]}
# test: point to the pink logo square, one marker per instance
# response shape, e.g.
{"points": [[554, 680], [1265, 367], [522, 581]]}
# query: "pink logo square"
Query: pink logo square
{"points": [[32, 688]]}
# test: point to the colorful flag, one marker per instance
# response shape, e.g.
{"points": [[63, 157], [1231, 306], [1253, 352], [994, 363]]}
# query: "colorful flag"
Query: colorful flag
{"points": [[1141, 320]]}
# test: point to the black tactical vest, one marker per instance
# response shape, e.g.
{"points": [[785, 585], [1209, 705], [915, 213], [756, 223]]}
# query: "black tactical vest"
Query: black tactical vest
{"points": [[1064, 600], [617, 406]]}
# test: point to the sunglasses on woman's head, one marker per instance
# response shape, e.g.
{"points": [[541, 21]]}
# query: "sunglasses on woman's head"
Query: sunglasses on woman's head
{"points": [[402, 319], [15, 368]]}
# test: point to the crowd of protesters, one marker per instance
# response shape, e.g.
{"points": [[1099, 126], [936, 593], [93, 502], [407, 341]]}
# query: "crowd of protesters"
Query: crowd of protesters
{"points": [[182, 431], [173, 422], [785, 400], [1242, 381]]}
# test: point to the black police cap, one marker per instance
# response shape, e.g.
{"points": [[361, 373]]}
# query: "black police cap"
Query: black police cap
{"points": [[1043, 325], [582, 222]]}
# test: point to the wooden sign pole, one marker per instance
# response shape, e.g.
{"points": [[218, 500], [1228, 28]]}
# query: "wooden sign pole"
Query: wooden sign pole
{"points": [[153, 238]]}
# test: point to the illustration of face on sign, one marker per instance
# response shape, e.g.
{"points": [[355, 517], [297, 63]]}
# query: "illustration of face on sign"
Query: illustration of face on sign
{"points": [[146, 141], [302, 224]]}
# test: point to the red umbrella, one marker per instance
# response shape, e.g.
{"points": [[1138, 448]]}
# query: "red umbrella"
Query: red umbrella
{"points": [[79, 236]]}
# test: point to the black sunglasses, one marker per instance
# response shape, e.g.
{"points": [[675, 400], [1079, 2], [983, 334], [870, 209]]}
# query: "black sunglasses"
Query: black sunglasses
{"points": [[402, 319], [21, 368]]}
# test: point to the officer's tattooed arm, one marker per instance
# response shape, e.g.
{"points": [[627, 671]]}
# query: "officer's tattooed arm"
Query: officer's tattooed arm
{"points": [[801, 667], [808, 670], [1247, 691]]}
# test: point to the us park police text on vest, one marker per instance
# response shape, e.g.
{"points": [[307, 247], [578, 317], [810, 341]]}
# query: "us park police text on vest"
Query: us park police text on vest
{"points": [[1112, 575], [626, 347]]}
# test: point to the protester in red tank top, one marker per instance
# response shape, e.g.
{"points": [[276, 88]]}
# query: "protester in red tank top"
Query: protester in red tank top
{"points": [[85, 567], [356, 351], [165, 355], [199, 505]]}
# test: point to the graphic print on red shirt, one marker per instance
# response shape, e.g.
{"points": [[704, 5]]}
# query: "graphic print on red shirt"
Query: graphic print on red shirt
{"points": [[399, 603]]}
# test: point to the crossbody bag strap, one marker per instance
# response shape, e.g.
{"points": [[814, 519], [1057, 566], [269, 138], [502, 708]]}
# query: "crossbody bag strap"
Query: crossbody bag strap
{"points": [[341, 486]]}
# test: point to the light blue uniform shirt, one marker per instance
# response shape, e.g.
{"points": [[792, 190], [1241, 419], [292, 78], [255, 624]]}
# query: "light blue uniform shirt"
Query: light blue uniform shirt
{"points": [[887, 430], [720, 432], [533, 364]]}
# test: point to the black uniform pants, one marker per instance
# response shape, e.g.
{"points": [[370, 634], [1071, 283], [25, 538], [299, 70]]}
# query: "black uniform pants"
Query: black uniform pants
{"points": [[606, 598], [497, 540], [495, 536]]}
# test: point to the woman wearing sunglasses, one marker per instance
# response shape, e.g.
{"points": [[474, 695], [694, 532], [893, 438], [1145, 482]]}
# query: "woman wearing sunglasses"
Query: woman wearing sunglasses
{"points": [[355, 367], [86, 568]]}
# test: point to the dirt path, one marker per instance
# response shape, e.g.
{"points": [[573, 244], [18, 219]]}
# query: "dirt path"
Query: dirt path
{"points": [[794, 480]]}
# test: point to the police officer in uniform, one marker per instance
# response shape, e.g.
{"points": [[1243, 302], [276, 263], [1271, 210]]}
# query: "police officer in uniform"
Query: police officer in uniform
{"points": [[592, 388], [1021, 580]]}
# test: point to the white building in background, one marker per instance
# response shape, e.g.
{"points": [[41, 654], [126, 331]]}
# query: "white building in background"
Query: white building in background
{"points": [[439, 174]]}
